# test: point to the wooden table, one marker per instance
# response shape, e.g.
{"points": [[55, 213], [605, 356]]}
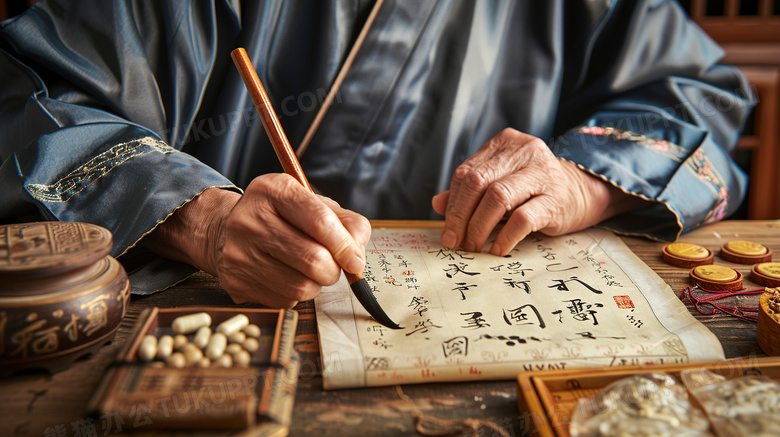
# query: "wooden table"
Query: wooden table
{"points": [[53, 405]]}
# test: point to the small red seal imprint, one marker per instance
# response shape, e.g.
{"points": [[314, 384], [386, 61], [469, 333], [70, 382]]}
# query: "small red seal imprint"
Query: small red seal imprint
{"points": [[623, 302]]}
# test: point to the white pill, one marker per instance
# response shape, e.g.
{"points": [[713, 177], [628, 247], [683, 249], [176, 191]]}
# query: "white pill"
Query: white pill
{"points": [[202, 337], [164, 347], [192, 354], [233, 324], [233, 348], [177, 360], [251, 345], [252, 330], [148, 348], [237, 337], [223, 361], [190, 323], [242, 359], [216, 346], [179, 342]]}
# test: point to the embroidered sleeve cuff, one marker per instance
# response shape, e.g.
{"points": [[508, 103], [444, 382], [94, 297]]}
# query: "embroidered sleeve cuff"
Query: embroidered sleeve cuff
{"points": [[687, 175], [128, 184]]}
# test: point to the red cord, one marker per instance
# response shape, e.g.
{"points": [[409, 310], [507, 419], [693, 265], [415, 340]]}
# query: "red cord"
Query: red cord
{"points": [[746, 313]]}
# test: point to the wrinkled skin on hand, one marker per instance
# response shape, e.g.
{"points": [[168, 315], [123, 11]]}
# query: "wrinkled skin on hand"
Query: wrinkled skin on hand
{"points": [[278, 244], [515, 175]]}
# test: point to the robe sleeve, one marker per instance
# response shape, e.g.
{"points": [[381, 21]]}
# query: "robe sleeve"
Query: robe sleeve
{"points": [[649, 109], [92, 124]]}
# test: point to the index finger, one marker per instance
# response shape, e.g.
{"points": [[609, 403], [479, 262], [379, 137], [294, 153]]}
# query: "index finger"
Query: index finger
{"points": [[465, 193], [317, 220]]}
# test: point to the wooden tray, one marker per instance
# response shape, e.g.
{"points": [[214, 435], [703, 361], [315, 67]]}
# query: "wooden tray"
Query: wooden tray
{"points": [[148, 397], [547, 399]]}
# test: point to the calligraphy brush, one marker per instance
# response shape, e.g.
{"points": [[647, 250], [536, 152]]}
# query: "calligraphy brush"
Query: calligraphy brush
{"points": [[291, 166]]}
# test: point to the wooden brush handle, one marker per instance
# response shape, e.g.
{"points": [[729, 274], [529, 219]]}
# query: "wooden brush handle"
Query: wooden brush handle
{"points": [[268, 116]]}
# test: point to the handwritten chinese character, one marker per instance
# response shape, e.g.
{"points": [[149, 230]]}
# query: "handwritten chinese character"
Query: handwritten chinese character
{"points": [[518, 284], [455, 346], [474, 321], [560, 285], [419, 305], [458, 268], [462, 288], [519, 316], [422, 327]]}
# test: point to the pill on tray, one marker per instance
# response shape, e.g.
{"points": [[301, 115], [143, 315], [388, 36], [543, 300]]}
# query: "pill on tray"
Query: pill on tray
{"points": [[190, 323], [233, 324], [216, 346], [148, 348]]}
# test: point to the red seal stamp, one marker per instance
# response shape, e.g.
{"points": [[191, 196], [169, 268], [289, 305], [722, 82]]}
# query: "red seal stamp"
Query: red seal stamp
{"points": [[623, 302]]}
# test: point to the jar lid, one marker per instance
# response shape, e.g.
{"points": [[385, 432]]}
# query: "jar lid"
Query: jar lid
{"points": [[742, 247], [686, 255], [48, 248], [716, 273], [769, 269], [688, 250]]}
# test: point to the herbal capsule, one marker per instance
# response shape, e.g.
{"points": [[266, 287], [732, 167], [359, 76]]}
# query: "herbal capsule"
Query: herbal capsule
{"points": [[252, 330], [148, 348], [179, 342], [223, 361], [233, 348], [233, 324], [216, 346], [177, 360], [202, 337], [192, 354], [237, 337], [190, 323], [242, 359], [164, 347], [251, 345]]}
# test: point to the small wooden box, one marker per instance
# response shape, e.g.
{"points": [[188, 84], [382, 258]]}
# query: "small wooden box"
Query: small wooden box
{"points": [[547, 399], [148, 397]]}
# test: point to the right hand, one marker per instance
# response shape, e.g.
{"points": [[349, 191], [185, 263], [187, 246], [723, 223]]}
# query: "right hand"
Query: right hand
{"points": [[278, 244]]}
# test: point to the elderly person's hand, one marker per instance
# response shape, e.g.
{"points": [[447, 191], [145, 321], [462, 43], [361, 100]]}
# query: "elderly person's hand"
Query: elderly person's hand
{"points": [[278, 244], [516, 175]]}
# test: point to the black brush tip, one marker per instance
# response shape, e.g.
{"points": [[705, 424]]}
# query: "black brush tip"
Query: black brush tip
{"points": [[366, 298]]}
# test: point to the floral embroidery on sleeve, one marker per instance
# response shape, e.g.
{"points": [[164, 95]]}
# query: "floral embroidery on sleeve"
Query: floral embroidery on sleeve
{"points": [[702, 167], [665, 148]]}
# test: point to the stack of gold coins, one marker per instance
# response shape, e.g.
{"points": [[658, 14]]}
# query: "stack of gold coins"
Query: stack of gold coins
{"points": [[745, 252], [686, 255], [716, 278], [766, 274]]}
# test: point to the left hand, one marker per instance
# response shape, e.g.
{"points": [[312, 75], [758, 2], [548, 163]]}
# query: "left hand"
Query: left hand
{"points": [[516, 174]]}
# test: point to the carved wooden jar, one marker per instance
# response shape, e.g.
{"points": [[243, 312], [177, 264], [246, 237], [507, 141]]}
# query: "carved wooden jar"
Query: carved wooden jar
{"points": [[62, 295]]}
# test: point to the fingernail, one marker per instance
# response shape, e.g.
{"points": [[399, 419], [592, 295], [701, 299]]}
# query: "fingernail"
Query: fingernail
{"points": [[449, 239], [355, 265], [495, 249]]}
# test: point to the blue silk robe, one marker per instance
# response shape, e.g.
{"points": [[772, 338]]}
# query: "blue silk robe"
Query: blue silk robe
{"points": [[117, 113]]}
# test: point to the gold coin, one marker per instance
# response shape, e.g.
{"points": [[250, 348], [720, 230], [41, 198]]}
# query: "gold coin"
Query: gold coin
{"points": [[688, 250], [716, 273], [769, 269], [746, 247]]}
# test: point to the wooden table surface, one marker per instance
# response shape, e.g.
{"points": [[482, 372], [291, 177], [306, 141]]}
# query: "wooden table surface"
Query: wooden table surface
{"points": [[53, 405]]}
